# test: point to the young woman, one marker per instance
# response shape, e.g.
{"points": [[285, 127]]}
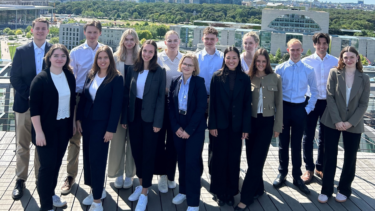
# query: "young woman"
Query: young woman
{"points": [[52, 102], [143, 112], [250, 42], [266, 120], [187, 107], [348, 92], [120, 154], [229, 122], [166, 158], [98, 113]]}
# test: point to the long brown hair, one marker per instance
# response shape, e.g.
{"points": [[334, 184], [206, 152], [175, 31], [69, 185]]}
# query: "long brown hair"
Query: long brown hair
{"points": [[341, 64], [111, 71], [50, 52], [253, 68], [139, 63]]}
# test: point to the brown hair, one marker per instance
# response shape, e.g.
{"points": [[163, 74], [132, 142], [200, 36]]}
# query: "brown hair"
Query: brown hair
{"points": [[253, 68], [341, 64], [42, 20], [97, 25], [210, 30], [50, 53], [319, 35], [111, 71], [139, 63], [195, 62]]}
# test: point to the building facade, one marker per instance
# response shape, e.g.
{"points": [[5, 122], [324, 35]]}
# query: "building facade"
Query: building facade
{"points": [[17, 16], [25, 2]]}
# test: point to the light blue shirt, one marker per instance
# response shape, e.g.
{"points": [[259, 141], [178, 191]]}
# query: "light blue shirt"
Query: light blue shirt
{"points": [[39, 55], [183, 94], [296, 79], [208, 64]]}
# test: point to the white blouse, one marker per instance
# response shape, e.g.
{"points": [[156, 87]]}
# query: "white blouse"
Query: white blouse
{"points": [[243, 64], [260, 102], [95, 86], [141, 81], [62, 86], [348, 90]]}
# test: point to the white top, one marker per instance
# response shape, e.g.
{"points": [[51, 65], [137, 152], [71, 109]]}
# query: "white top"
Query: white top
{"points": [[62, 86], [260, 102], [171, 67], [95, 86], [348, 95], [243, 64], [321, 69], [141, 81], [39, 55]]}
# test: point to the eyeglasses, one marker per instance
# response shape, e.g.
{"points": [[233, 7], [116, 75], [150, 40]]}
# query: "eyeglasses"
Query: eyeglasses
{"points": [[188, 65]]}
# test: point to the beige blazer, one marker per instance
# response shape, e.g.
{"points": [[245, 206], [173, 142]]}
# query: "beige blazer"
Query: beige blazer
{"points": [[336, 110], [272, 98], [119, 66]]}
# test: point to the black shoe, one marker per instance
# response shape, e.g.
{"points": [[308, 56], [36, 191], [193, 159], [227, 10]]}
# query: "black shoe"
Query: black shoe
{"points": [[230, 201], [237, 208], [258, 195], [280, 179], [301, 185], [18, 189], [219, 201]]}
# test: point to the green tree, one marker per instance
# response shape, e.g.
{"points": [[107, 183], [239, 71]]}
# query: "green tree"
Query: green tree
{"points": [[6, 30], [363, 60], [11, 32], [54, 31], [18, 32], [308, 53], [161, 30], [146, 34], [28, 28], [54, 40], [278, 54], [28, 35], [136, 15], [142, 41]]}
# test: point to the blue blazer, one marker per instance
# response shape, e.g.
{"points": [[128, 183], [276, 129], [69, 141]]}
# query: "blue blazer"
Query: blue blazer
{"points": [[196, 106], [107, 104]]}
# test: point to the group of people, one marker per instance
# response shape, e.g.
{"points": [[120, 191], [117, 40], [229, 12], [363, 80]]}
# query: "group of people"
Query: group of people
{"points": [[145, 112]]}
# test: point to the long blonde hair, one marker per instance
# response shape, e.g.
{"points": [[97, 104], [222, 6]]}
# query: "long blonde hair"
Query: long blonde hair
{"points": [[120, 54]]}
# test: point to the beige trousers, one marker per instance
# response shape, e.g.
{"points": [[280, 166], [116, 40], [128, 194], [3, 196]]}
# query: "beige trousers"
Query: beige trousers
{"points": [[73, 151], [23, 139], [120, 155]]}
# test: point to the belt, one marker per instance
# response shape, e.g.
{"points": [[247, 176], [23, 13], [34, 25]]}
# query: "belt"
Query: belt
{"points": [[294, 104], [182, 112]]}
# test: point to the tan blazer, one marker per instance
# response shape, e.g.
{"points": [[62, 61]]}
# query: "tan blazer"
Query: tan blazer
{"points": [[119, 65], [336, 110], [272, 98]]}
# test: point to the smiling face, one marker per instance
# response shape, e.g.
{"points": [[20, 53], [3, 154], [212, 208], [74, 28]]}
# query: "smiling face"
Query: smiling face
{"points": [[231, 60], [295, 50], [261, 63], [103, 60], [92, 34], [350, 59], [58, 59], [321, 46], [148, 52], [172, 42], [187, 66], [40, 31], [129, 42], [209, 41], [249, 44]]}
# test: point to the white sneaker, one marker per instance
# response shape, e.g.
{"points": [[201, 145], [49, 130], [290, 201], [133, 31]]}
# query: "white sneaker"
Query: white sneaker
{"points": [[322, 198], [90, 198], [96, 207], [171, 184], [162, 184], [135, 195], [57, 201], [128, 183], [142, 203], [179, 198], [341, 198], [119, 182], [193, 209]]}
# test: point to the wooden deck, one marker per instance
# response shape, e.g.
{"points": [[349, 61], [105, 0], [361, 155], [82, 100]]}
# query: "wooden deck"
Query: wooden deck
{"points": [[287, 198]]}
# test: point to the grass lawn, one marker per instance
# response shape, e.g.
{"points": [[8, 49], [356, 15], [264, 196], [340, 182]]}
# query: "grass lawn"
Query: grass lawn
{"points": [[12, 50]]}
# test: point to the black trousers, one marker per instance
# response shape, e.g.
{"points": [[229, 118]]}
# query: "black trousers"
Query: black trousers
{"points": [[256, 152], [143, 141], [309, 134], [95, 153], [190, 163], [50, 157], [225, 162], [293, 119], [351, 145], [166, 156]]}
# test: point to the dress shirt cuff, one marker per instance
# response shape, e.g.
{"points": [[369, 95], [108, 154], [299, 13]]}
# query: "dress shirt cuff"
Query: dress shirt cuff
{"points": [[308, 110]]}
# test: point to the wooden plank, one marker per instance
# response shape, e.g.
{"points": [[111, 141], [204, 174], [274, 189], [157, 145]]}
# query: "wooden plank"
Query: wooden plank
{"points": [[154, 203], [166, 199], [110, 202], [123, 202], [135, 184]]}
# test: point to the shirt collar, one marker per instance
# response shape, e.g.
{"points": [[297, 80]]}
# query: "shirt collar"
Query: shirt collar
{"points": [[204, 52], [182, 80], [42, 47], [164, 57], [291, 63], [85, 45], [316, 56]]}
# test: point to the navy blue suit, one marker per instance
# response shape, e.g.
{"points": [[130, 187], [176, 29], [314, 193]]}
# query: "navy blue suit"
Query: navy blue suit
{"points": [[97, 117], [189, 151]]}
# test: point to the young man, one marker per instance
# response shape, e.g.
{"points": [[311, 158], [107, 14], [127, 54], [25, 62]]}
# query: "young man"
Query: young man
{"points": [[322, 62], [27, 63], [81, 60], [296, 77], [210, 60]]}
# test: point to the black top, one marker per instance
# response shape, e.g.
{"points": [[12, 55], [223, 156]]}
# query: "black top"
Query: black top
{"points": [[232, 79], [126, 68]]}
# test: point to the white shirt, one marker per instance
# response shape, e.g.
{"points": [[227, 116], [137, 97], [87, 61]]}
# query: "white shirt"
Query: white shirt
{"points": [[321, 69], [243, 64], [141, 81], [260, 102], [81, 60], [95, 86], [171, 67], [62, 86], [348, 90], [39, 55]]}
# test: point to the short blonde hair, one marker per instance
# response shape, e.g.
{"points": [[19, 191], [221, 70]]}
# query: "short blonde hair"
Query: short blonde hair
{"points": [[252, 34], [195, 63], [171, 32], [292, 41]]}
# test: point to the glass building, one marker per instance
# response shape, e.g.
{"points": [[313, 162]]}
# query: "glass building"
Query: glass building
{"points": [[290, 36], [294, 23], [187, 36], [19, 16], [349, 41], [265, 40]]}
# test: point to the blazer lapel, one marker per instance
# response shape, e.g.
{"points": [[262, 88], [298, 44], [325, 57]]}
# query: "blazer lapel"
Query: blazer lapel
{"points": [[237, 85], [176, 91], [133, 83], [32, 57], [191, 90], [226, 85], [87, 87], [356, 84], [148, 82], [342, 84]]}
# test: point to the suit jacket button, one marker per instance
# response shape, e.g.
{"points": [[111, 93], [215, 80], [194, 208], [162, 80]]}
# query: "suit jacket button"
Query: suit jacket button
{"points": [[234, 115]]}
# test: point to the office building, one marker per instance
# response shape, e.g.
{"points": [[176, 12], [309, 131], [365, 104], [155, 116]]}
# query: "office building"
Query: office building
{"points": [[18, 16], [25, 2]]}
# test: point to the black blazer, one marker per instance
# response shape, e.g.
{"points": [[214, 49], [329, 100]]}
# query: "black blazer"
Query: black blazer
{"points": [[44, 102], [153, 97], [196, 108], [107, 104], [220, 102], [22, 73]]}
